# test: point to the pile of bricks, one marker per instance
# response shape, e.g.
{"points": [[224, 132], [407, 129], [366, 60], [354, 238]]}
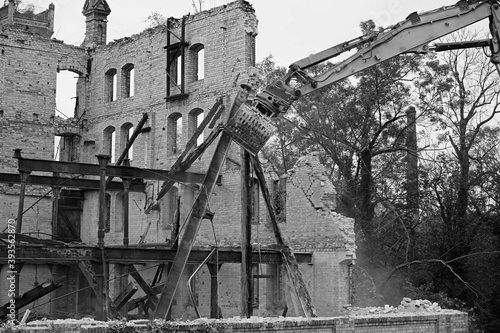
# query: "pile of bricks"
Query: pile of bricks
{"points": [[407, 306], [443, 321]]}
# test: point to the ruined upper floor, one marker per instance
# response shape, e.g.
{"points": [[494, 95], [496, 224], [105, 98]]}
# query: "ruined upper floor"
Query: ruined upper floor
{"points": [[28, 18]]}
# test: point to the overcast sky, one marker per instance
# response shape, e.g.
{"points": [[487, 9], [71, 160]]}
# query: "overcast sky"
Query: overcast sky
{"points": [[288, 29]]}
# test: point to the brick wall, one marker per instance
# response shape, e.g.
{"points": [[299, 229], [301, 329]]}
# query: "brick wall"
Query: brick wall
{"points": [[28, 80], [28, 72], [450, 322]]}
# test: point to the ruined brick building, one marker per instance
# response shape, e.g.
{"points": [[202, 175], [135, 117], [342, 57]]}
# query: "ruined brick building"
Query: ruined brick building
{"points": [[172, 74]]}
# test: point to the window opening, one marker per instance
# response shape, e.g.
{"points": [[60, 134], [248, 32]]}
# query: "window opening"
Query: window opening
{"points": [[128, 74], [66, 104], [199, 62], [174, 134], [109, 140], [131, 150], [125, 133], [196, 116], [176, 46], [178, 135], [179, 79], [199, 119], [111, 85], [113, 147]]}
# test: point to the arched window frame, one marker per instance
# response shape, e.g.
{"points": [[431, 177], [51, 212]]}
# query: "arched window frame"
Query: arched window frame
{"points": [[174, 134], [128, 80], [110, 85], [109, 140], [125, 133], [195, 117], [198, 61]]}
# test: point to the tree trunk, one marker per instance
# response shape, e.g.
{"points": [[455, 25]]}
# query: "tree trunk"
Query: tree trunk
{"points": [[366, 188]]}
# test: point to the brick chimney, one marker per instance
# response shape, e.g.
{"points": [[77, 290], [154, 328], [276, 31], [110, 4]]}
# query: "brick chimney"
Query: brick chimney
{"points": [[96, 13]]}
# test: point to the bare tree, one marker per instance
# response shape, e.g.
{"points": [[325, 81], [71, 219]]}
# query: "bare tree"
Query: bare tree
{"points": [[468, 90], [197, 5]]}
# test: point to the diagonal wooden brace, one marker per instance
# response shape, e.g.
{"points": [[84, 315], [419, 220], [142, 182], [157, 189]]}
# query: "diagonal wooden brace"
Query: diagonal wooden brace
{"points": [[193, 220], [143, 284], [288, 256]]}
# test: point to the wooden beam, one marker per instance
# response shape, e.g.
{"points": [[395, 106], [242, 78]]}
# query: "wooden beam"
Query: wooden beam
{"points": [[91, 277], [246, 237], [182, 164], [131, 305], [125, 295], [288, 255], [57, 252], [130, 142], [32, 295], [85, 184], [193, 220], [26, 164], [70, 226], [143, 284]]}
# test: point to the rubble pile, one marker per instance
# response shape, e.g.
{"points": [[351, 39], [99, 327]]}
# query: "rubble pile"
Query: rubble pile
{"points": [[407, 306]]}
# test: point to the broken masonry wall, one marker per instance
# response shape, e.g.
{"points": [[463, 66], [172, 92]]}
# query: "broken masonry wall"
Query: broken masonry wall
{"points": [[313, 225], [221, 31], [39, 22], [449, 321], [28, 73], [227, 34], [312, 222]]}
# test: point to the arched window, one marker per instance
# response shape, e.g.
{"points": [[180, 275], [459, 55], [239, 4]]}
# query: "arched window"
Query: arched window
{"points": [[178, 71], [174, 134], [198, 51], [128, 80], [110, 85], [126, 131], [108, 146], [195, 117]]}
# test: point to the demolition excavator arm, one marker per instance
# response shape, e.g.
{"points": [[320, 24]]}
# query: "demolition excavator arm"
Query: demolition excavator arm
{"points": [[412, 35], [251, 126]]}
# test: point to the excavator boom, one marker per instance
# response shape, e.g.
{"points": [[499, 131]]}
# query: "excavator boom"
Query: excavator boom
{"points": [[412, 35]]}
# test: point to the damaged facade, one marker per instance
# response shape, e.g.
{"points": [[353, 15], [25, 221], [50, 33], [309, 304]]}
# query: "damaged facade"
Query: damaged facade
{"points": [[207, 57]]}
